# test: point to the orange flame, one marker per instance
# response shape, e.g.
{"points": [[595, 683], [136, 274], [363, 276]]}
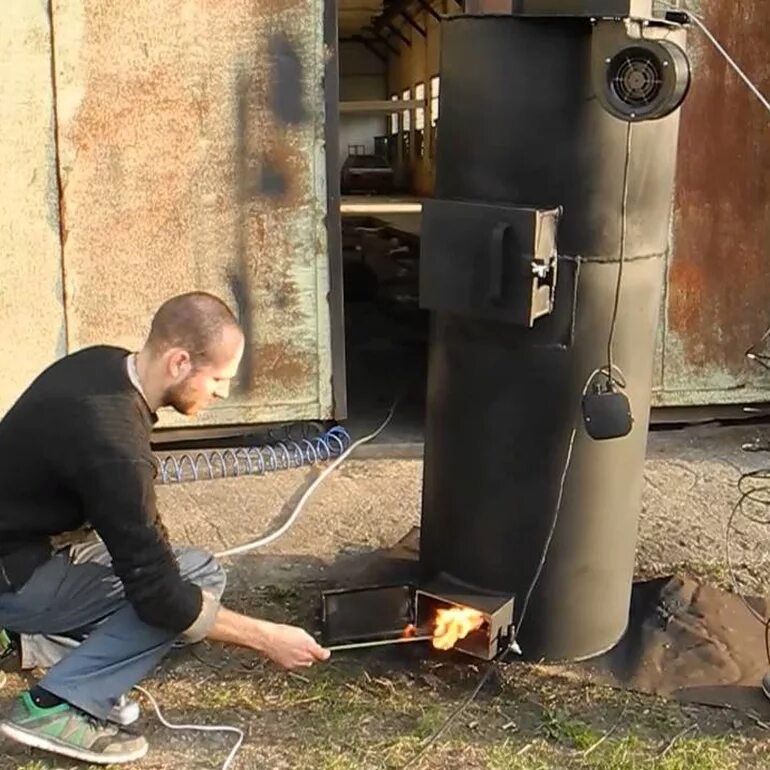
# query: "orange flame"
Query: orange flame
{"points": [[409, 632], [454, 624]]}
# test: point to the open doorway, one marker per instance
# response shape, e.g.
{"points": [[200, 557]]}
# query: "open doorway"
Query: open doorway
{"points": [[389, 112]]}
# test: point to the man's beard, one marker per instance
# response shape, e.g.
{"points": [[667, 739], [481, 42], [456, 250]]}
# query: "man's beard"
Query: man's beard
{"points": [[182, 399]]}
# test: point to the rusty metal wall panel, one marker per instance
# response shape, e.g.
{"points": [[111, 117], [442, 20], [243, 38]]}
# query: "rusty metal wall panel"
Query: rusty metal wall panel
{"points": [[192, 157], [31, 313], [718, 287]]}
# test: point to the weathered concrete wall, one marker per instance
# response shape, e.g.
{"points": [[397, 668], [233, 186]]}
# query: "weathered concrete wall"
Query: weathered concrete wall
{"points": [[191, 151], [31, 313], [718, 301], [191, 156]]}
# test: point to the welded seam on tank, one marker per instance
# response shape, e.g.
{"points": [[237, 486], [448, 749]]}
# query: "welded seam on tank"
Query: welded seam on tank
{"points": [[611, 260], [575, 295]]}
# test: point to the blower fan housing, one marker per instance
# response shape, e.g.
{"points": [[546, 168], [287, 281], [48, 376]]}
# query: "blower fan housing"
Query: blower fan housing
{"points": [[642, 79]]}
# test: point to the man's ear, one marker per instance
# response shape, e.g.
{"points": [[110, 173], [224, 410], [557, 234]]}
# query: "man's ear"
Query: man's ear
{"points": [[178, 363]]}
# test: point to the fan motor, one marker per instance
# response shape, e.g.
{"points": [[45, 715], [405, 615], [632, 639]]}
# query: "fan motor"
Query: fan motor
{"points": [[644, 80]]}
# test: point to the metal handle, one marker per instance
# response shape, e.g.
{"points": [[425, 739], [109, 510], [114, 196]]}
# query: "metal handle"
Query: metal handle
{"points": [[497, 262], [381, 643]]}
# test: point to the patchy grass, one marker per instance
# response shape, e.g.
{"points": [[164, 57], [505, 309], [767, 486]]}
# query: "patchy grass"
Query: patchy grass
{"points": [[33, 766], [377, 709], [562, 729]]}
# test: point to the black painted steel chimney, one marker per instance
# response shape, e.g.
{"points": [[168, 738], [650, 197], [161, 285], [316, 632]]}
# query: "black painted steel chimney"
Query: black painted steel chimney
{"points": [[556, 142]]}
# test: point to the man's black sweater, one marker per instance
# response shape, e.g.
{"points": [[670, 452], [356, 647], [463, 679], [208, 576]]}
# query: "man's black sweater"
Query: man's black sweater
{"points": [[76, 450]]}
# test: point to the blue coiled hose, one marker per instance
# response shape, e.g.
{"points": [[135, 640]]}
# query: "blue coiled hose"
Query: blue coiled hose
{"points": [[207, 465]]}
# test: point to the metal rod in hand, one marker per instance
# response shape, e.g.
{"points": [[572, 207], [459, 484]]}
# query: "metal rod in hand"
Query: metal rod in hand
{"points": [[381, 643]]}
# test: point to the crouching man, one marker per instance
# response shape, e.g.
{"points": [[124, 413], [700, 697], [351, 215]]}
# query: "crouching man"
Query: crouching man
{"points": [[76, 449]]}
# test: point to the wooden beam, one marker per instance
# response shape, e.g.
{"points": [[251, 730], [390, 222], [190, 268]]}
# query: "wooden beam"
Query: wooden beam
{"points": [[382, 39], [369, 45], [412, 22], [398, 32], [430, 9]]}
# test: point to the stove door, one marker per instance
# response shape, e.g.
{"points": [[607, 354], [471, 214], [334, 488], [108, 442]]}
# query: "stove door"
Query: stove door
{"points": [[488, 261]]}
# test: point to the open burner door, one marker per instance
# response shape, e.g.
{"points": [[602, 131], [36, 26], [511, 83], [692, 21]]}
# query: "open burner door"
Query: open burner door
{"points": [[366, 614], [490, 262]]}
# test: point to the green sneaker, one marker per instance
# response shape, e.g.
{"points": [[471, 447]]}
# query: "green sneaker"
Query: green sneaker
{"points": [[65, 730]]}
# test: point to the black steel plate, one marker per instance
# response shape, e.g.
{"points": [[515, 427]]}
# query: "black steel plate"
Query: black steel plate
{"points": [[366, 614]]}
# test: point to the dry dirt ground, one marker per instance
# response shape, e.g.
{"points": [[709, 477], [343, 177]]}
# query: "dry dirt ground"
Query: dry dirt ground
{"points": [[375, 710]]}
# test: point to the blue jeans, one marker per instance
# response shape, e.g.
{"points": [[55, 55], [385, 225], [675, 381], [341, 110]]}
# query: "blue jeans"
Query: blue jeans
{"points": [[76, 594]]}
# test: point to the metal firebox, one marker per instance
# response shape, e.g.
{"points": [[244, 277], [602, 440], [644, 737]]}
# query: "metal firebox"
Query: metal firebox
{"points": [[487, 642], [393, 614]]}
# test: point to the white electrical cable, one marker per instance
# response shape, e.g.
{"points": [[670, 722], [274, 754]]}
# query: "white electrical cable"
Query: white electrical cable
{"points": [[729, 59], [198, 728], [263, 541], [250, 547]]}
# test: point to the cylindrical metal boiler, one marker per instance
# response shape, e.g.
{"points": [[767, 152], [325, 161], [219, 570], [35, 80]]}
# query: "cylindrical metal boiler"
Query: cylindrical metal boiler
{"points": [[526, 125]]}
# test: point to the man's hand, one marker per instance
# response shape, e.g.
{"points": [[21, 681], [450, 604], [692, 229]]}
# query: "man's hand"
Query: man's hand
{"points": [[287, 646], [292, 647]]}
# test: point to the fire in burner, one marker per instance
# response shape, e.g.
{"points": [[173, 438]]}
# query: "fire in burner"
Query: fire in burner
{"points": [[454, 624]]}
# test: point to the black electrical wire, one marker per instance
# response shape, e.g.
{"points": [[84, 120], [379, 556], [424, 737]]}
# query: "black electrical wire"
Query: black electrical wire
{"points": [[754, 488], [760, 358], [758, 493], [622, 257], [495, 664], [452, 718]]}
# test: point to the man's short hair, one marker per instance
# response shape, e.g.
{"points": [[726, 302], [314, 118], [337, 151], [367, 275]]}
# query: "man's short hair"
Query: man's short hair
{"points": [[194, 322]]}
